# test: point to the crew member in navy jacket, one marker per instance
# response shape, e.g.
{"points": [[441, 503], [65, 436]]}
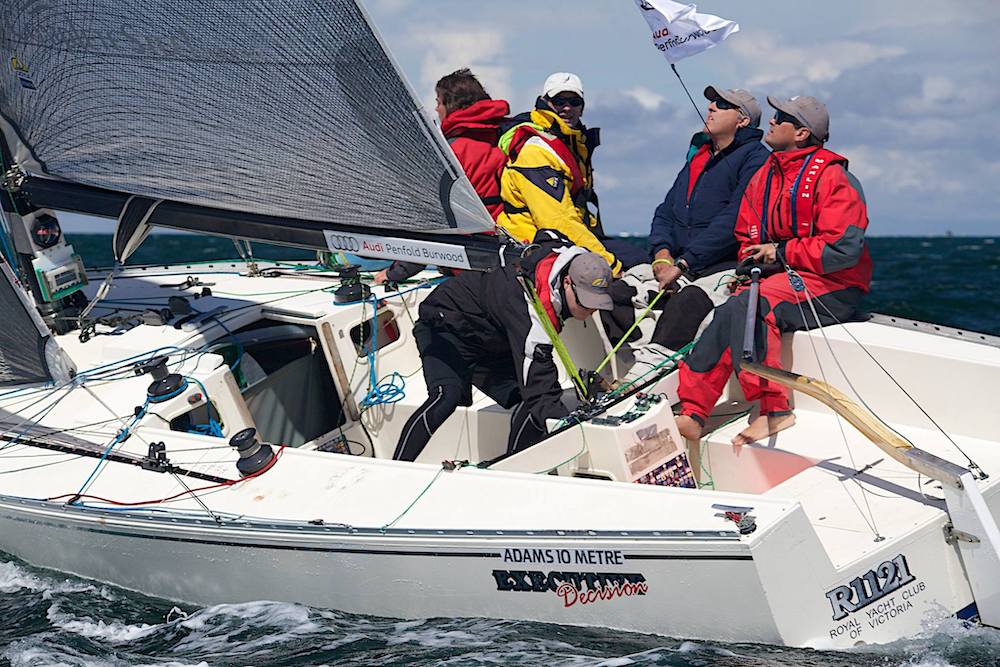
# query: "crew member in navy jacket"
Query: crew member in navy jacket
{"points": [[691, 239], [692, 230]]}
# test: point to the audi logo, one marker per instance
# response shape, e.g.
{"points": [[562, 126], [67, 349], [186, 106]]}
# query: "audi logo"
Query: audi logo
{"points": [[344, 242]]}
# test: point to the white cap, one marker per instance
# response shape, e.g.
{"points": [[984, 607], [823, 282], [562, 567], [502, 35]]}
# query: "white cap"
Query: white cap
{"points": [[562, 82]]}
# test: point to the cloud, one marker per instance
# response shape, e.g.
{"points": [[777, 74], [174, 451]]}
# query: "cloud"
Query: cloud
{"points": [[900, 172], [644, 142], [811, 63], [646, 98], [451, 48], [911, 89]]}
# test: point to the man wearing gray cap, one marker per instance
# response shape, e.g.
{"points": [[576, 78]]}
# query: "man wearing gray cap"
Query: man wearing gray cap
{"points": [[691, 239], [692, 230], [803, 212], [484, 330]]}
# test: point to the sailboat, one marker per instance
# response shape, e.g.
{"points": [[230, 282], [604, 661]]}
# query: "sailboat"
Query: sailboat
{"points": [[223, 432]]}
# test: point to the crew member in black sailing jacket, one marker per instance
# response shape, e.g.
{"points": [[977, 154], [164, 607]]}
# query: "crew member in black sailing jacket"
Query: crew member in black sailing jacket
{"points": [[483, 330]]}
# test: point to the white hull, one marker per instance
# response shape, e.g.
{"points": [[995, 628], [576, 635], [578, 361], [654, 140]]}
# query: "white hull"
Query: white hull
{"points": [[704, 586], [366, 535]]}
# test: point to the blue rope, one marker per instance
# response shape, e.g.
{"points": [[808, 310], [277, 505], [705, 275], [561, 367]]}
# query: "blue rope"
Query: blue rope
{"points": [[124, 433], [392, 388], [213, 427]]}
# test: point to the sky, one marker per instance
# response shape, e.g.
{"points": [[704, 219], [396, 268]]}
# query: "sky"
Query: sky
{"points": [[913, 89]]}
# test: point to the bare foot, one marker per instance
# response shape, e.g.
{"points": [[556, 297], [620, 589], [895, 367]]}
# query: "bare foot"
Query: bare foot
{"points": [[689, 428], [763, 427]]}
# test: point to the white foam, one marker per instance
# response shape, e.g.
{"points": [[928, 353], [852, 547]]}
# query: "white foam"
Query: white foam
{"points": [[214, 626], [616, 662], [15, 578], [25, 654], [695, 647], [113, 632]]}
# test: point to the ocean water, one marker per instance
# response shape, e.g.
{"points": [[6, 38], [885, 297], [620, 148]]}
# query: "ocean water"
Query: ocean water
{"points": [[49, 618], [952, 281]]}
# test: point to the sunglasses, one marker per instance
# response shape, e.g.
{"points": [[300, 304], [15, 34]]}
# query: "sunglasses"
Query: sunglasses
{"points": [[724, 105], [573, 101], [782, 117]]}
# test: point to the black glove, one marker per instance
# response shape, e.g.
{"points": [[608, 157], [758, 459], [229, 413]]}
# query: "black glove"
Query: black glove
{"points": [[744, 267]]}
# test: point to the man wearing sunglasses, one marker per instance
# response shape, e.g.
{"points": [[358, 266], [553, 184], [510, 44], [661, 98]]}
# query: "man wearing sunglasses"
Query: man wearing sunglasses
{"points": [[549, 179], [483, 330], [691, 237], [802, 212]]}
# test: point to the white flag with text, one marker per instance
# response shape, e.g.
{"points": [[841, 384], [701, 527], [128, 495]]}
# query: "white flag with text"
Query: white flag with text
{"points": [[680, 31]]}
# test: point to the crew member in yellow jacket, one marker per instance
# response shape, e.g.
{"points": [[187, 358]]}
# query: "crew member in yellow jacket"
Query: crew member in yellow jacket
{"points": [[547, 182]]}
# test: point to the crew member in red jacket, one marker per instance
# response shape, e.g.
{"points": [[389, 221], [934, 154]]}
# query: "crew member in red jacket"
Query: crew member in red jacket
{"points": [[805, 212], [470, 121]]}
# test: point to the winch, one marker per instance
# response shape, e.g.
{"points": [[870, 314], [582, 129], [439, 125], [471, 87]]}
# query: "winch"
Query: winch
{"points": [[254, 456]]}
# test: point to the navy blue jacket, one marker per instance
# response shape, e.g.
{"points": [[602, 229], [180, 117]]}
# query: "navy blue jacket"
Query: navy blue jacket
{"points": [[701, 231]]}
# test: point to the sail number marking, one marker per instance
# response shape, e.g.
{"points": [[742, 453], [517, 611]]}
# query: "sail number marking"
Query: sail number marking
{"points": [[873, 585]]}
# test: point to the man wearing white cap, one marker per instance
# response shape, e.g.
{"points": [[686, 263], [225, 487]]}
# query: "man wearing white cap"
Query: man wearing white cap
{"points": [[549, 179], [803, 212]]}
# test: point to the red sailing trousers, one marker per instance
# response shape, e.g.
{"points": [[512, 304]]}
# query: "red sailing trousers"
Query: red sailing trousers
{"points": [[703, 375]]}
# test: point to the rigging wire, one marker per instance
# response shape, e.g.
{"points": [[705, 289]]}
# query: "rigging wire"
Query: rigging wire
{"points": [[840, 424], [972, 464], [220, 485], [415, 500], [32, 421]]}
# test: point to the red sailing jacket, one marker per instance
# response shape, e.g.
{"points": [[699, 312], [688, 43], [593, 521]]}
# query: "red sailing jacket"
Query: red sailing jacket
{"points": [[823, 233], [473, 133]]}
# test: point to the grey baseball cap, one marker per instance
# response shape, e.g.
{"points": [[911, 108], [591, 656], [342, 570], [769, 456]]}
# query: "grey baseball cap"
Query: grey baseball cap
{"points": [[744, 99], [807, 110], [591, 278]]}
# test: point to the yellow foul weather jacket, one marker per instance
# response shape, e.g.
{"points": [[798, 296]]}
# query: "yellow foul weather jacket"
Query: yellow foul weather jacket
{"points": [[538, 184]]}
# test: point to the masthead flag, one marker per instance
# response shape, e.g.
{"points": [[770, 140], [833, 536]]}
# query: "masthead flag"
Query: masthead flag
{"points": [[679, 31]]}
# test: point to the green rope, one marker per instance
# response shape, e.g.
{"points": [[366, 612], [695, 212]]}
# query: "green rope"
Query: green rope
{"points": [[557, 343], [670, 358], [415, 500], [630, 330], [704, 440], [583, 450]]}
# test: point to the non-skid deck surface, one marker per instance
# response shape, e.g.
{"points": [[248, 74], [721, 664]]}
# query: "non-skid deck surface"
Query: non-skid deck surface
{"points": [[853, 491]]}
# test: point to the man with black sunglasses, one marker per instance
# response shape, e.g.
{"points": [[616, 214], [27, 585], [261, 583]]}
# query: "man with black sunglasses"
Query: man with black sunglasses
{"points": [[549, 179], [691, 241], [802, 212]]}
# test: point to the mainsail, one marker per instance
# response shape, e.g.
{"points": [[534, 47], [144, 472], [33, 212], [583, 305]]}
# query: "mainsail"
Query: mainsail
{"points": [[267, 119]]}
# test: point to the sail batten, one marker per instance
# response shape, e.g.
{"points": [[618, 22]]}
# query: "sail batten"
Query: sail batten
{"points": [[290, 109]]}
